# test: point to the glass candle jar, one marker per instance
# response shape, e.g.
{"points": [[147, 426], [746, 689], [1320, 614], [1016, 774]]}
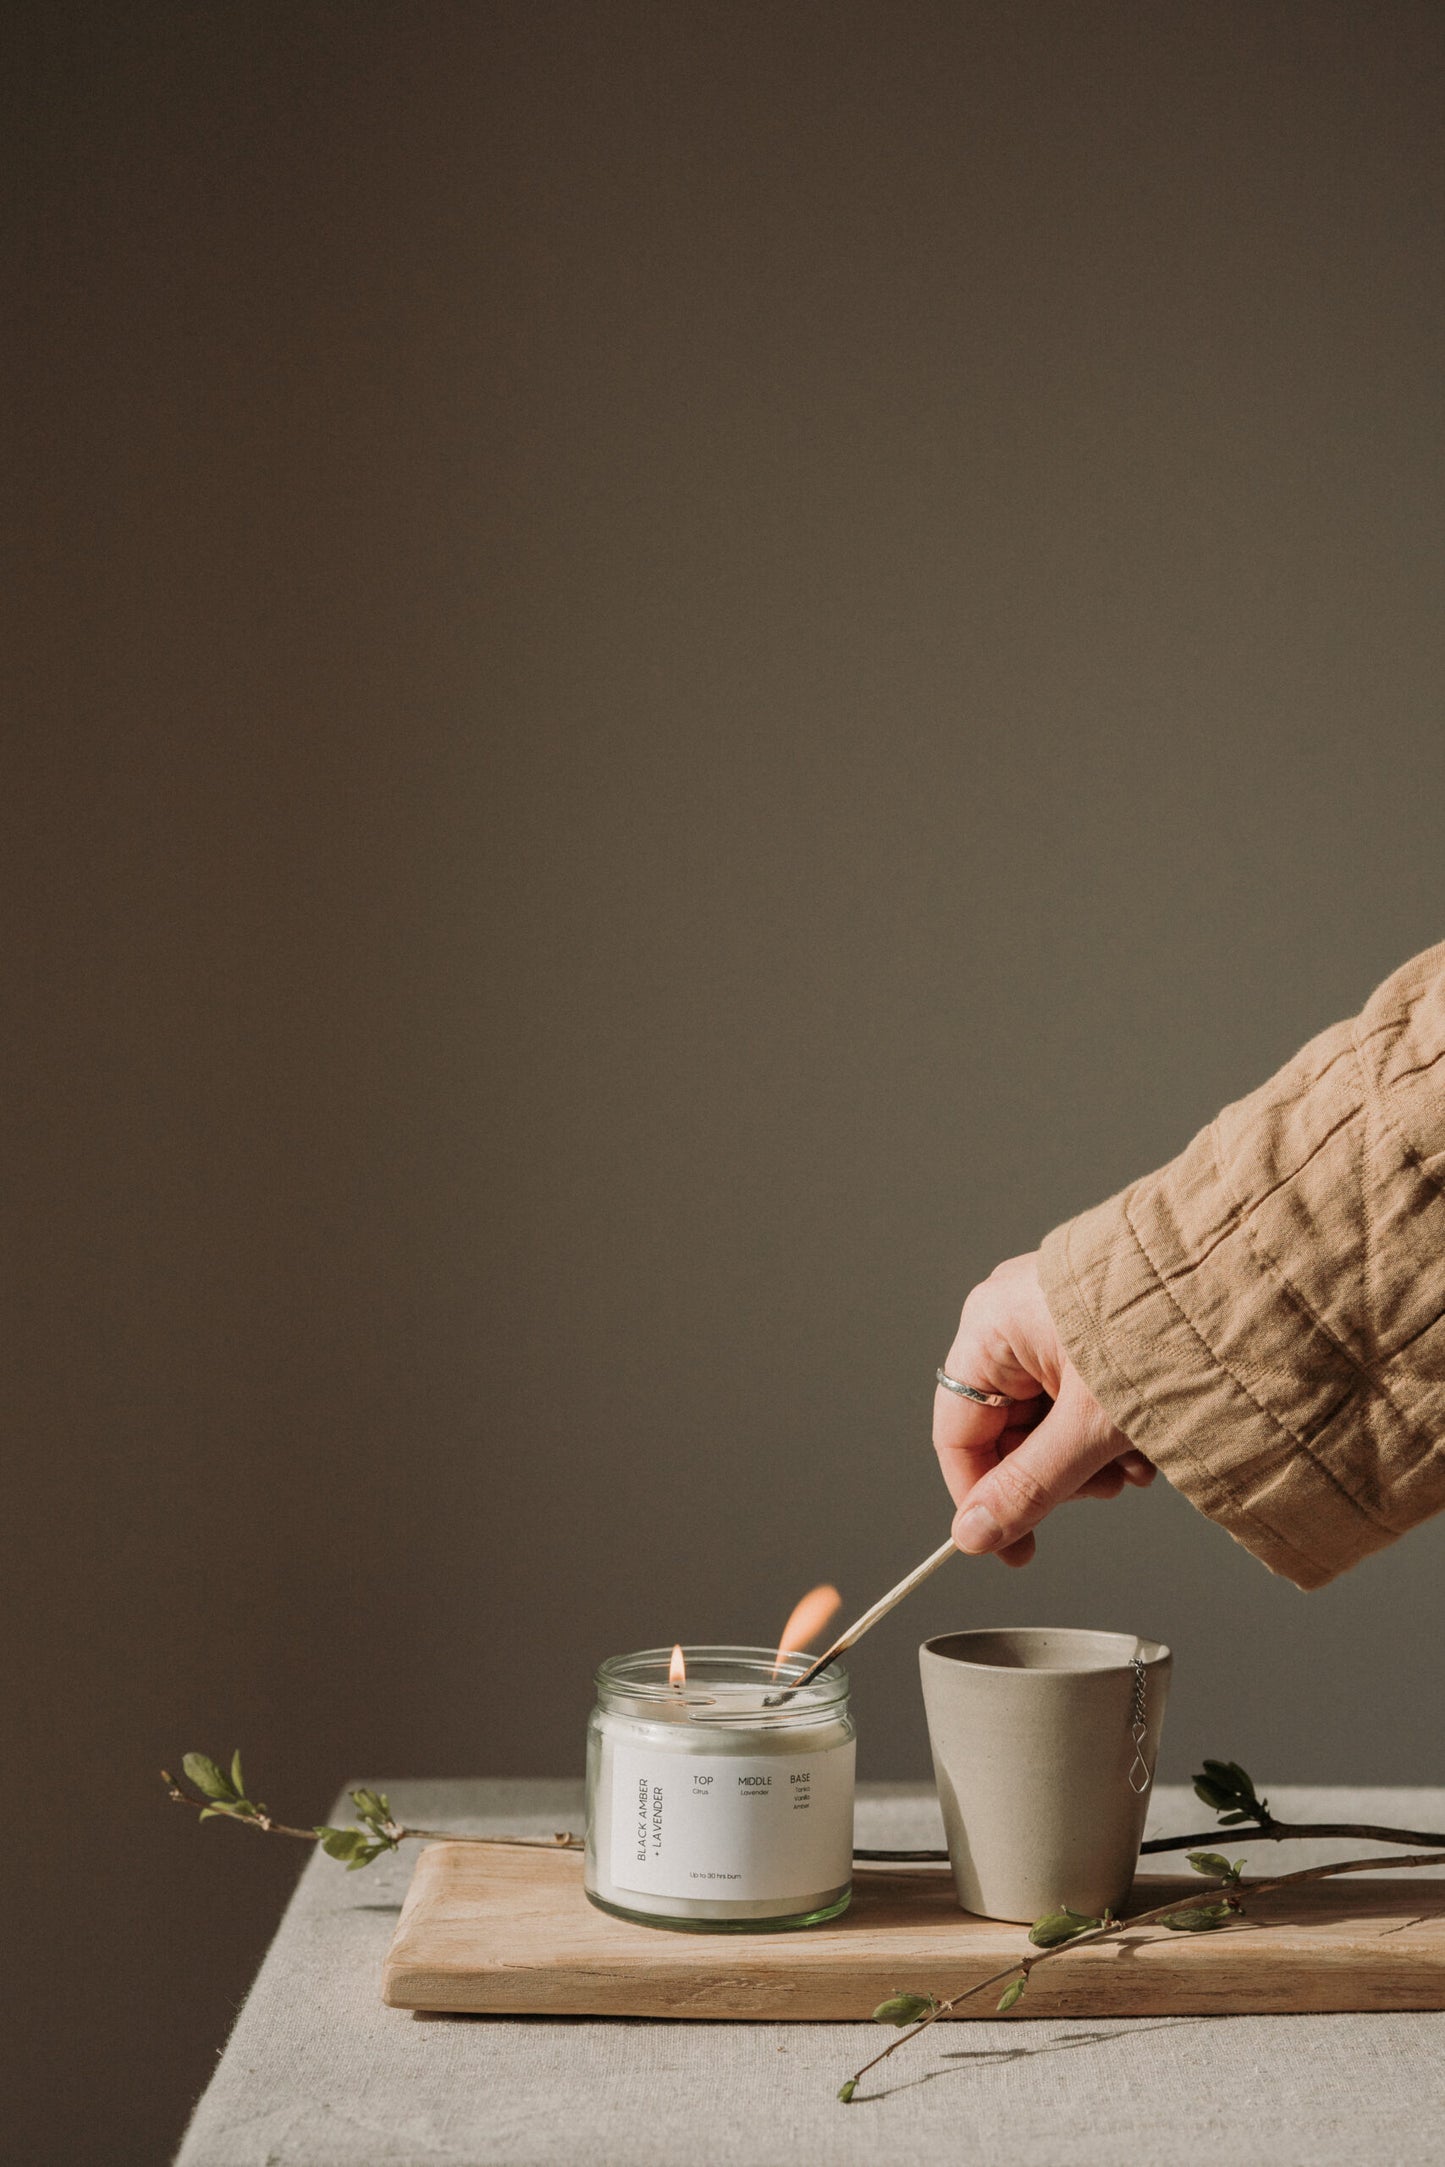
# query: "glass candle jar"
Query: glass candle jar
{"points": [[723, 1802]]}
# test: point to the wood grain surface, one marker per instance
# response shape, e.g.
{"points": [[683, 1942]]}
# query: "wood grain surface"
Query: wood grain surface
{"points": [[511, 1933]]}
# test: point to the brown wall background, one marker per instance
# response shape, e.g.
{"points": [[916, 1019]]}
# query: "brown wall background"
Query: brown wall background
{"points": [[677, 672]]}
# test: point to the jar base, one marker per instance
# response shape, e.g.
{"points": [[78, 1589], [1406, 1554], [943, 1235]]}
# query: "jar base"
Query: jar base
{"points": [[831, 1908]]}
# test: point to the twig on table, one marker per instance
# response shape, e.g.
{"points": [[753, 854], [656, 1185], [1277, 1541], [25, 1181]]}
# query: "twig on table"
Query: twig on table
{"points": [[223, 1796], [1230, 1790], [1212, 1901], [1268, 1831]]}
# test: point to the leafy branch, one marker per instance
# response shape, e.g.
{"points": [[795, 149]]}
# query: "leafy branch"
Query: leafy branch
{"points": [[1221, 1784], [1062, 1930], [1230, 1790], [223, 1795]]}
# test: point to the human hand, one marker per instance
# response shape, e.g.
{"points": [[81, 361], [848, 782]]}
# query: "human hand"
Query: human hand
{"points": [[1007, 1467]]}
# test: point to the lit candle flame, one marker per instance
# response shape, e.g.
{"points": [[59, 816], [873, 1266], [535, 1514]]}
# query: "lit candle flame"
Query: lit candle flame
{"points": [[677, 1668], [809, 1617]]}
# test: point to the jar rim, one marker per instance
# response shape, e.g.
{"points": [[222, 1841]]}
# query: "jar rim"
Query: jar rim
{"points": [[722, 1685]]}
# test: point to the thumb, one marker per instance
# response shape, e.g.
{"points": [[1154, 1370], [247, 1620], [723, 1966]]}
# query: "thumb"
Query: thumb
{"points": [[1074, 1440]]}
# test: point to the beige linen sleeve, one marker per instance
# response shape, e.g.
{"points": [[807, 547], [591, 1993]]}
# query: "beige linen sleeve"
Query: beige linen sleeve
{"points": [[1265, 1316]]}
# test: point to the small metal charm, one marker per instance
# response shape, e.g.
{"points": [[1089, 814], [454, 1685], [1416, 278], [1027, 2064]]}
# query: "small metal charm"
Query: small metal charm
{"points": [[1139, 1767]]}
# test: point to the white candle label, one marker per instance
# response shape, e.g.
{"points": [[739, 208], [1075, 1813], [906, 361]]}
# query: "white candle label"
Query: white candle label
{"points": [[693, 1824]]}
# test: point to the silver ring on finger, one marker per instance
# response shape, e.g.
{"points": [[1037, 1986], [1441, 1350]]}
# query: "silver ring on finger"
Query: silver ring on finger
{"points": [[972, 1392]]}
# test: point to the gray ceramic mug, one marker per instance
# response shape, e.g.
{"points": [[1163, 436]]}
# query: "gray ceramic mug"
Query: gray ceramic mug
{"points": [[1043, 1784]]}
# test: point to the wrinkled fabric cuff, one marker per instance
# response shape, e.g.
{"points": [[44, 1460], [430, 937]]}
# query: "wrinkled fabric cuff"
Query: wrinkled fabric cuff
{"points": [[1210, 1437]]}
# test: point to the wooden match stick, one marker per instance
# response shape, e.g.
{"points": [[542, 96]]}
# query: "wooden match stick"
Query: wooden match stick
{"points": [[870, 1618]]}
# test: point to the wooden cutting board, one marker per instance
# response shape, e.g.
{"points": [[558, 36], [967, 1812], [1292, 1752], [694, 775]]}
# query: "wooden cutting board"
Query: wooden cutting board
{"points": [[511, 1933]]}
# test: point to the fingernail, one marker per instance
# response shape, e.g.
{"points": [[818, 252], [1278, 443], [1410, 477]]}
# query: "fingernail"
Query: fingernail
{"points": [[977, 1531]]}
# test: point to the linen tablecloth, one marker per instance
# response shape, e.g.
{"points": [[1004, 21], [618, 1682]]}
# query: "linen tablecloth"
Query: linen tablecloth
{"points": [[319, 2074]]}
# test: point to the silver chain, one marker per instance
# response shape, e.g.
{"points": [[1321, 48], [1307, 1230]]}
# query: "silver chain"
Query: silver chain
{"points": [[1138, 1727]]}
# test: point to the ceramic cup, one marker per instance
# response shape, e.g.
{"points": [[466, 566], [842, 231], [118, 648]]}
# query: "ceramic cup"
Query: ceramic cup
{"points": [[1032, 1729]]}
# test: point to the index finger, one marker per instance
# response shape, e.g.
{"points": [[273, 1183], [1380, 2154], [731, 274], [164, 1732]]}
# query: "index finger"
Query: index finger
{"points": [[967, 1437]]}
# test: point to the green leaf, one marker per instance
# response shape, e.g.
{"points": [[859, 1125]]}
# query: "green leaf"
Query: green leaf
{"points": [[1057, 1927], [1013, 1992], [901, 2009], [209, 1812], [238, 1781], [1229, 1789], [376, 1816], [846, 2091], [1199, 1919], [374, 1807], [1210, 1862], [206, 1777], [352, 1847], [340, 1843]]}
